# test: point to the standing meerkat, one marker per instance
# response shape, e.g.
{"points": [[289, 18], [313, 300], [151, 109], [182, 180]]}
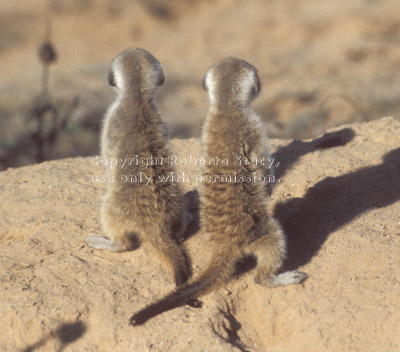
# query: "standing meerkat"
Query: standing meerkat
{"points": [[237, 215], [137, 205]]}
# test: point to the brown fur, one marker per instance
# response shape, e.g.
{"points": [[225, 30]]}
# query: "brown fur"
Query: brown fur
{"points": [[132, 126], [236, 215]]}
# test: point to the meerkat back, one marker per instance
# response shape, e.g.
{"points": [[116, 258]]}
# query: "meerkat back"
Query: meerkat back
{"points": [[139, 204], [232, 130], [235, 209]]}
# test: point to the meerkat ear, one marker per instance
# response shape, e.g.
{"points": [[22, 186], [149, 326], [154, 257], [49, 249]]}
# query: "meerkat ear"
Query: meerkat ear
{"points": [[257, 85], [111, 79], [203, 82], [161, 79]]}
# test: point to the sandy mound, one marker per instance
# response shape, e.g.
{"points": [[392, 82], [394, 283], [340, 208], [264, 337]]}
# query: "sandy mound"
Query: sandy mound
{"points": [[337, 201]]}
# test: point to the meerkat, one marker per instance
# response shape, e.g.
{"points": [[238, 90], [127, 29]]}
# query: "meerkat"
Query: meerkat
{"points": [[237, 215], [149, 210]]}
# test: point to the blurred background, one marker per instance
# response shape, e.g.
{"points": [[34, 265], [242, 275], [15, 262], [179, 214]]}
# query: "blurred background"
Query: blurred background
{"points": [[322, 64]]}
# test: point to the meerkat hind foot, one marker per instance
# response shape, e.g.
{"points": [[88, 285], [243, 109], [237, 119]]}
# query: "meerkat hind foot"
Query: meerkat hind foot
{"points": [[284, 279], [103, 243]]}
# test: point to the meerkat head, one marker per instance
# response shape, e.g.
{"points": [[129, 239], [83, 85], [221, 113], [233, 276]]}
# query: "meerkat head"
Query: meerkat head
{"points": [[135, 70], [232, 82]]}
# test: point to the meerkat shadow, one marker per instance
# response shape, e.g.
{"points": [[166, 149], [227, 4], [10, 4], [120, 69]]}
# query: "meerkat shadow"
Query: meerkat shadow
{"points": [[289, 154], [333, 203], [192, 204], [66, 334]]}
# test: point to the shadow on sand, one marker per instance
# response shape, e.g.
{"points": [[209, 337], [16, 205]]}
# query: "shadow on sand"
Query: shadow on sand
{"points": [[334, 202], [289, 154], [66, 334]]}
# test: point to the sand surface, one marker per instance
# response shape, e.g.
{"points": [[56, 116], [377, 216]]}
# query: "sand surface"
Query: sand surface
{"points": [[337, 200]]}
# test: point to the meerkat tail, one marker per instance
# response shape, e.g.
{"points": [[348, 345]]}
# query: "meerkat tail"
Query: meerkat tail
{"points": [[219, 272]]}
